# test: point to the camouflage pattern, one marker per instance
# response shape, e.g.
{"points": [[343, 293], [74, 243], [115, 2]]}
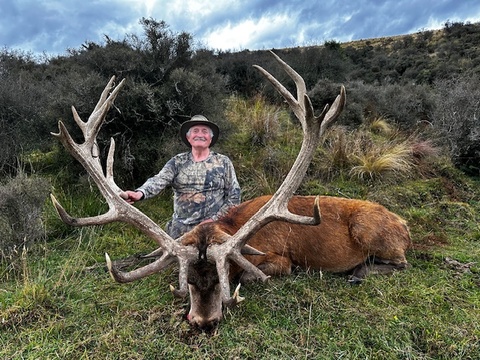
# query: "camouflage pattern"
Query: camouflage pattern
{"points": [[202, 190]]}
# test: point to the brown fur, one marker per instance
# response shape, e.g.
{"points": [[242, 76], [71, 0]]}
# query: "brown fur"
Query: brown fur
{"points": [[351, 232], [353, 235]]}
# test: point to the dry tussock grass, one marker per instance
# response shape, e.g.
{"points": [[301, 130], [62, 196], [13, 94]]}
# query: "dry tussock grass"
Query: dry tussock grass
{"points": [[255, 117], [377, 151]]}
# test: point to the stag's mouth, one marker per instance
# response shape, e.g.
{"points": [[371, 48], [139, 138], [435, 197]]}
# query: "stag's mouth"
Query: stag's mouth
{"points": [[209, 328]]}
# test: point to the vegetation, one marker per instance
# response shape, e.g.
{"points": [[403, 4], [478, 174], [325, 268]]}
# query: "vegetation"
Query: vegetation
{"points": [[408, 139], [21, 202]]}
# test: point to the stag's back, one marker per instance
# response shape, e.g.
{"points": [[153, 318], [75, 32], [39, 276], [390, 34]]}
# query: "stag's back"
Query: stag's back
{"points": [[350, 232]]}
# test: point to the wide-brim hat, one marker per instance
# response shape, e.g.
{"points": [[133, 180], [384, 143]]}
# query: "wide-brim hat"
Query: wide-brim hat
{"points": [[198, 120]]}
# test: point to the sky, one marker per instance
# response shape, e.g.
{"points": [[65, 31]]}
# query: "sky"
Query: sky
{"points": [[51, 27]]}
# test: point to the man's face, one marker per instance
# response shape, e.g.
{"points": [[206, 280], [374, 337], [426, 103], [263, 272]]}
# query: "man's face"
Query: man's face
{"points": [[199, 136]]}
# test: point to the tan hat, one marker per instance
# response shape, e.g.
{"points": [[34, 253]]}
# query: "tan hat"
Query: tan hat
{"points": [[198, 120]]}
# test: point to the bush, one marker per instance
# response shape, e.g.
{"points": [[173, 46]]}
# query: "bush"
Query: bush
{"points": [[21, 204], [376, 151], [456, 117], [258, 119]]}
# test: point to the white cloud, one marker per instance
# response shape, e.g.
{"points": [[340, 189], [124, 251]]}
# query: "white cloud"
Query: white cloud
{"points": [[247, 33], [56, 25]]}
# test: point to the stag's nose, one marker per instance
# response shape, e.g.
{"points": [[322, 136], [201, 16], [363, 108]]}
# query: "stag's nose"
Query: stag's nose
{"points": [[203, 323]]}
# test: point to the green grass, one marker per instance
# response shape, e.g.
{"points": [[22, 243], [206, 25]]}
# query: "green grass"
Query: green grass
{"points": [[427, 312], [62, 304], [57, 300]]}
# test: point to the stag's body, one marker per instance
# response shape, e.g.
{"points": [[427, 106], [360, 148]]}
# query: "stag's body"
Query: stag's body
{"points": [[353, 235]]}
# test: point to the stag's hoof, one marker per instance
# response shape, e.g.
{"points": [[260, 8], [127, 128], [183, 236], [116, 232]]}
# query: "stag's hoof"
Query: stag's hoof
{"points": [[354, 280]]}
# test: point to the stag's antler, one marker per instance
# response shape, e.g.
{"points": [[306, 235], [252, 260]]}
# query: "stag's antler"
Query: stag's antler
{"points": [[276, 208], [119, 210]]}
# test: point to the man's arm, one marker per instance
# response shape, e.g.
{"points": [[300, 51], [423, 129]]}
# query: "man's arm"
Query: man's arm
{"points": [[232, 190], [153, 185]]}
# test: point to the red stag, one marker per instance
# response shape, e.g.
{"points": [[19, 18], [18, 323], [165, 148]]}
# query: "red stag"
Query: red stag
{"points": [[352, 235]]}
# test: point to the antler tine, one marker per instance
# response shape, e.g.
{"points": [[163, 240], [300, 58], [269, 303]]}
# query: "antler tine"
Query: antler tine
{"points": [[152, 268], [96, 119], [109, 168], [158, 265], [91, 127], [72, 221], [183, 264], [299, 82], [295, 105], [106, 92], [223, 269], [334, 112], [276, 208]]}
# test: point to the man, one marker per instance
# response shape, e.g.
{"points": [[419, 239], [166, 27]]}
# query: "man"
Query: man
{"points": [[204, 182]]}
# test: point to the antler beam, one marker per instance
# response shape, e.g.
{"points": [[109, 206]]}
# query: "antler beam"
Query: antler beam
{"points": [[87, 153], [276, 208]]}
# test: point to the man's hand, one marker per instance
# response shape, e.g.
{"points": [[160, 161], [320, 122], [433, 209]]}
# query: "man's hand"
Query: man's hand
{"points": [[131, 196]]}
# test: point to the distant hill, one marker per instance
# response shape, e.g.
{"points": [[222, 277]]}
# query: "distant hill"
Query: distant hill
{"points": [[421, 57]]}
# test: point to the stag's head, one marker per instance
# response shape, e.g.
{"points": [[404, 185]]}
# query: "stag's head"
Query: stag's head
{"points": [[205, 291], [203, 255]]}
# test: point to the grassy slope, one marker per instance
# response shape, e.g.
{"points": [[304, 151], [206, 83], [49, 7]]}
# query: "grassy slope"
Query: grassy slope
{"points": [[58, 302]]}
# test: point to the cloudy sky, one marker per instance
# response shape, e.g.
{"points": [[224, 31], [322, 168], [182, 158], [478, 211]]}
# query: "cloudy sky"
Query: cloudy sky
{"points": [[53, 26]]}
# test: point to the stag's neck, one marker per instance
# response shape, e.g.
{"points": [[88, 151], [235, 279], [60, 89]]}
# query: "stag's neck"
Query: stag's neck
{"points": [[238, 215]]}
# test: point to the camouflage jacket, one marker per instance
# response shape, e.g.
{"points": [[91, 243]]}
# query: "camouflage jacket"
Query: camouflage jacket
{"points": [[202, 190]]}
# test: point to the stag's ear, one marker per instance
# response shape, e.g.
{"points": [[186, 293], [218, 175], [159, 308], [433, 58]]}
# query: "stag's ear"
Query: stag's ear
{"points": [[248, 250]]}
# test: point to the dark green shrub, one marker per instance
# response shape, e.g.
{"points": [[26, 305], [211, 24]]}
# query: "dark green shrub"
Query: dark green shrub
{"points": [[21, 203]]}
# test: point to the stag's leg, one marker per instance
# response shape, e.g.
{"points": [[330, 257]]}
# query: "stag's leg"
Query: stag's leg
{"points": [[272, 265], [376, 265], [359, 273], [387, 266]]}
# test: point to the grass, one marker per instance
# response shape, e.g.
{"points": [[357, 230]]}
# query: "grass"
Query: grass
{"points": [[375, 152], [58, 302], [61, 303], [427, 312]]}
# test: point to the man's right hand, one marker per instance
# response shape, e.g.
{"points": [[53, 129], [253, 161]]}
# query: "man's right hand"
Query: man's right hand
{"points": [[131, 196]]}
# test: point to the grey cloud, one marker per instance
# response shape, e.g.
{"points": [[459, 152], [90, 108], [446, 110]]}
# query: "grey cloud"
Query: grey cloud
{"points": [[36, 26], [54, 29]]}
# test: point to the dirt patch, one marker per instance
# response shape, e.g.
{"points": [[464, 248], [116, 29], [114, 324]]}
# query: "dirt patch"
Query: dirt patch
{"points": [[430, 241]]}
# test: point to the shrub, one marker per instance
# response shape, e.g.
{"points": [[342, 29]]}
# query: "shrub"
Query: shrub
{"points": [[383, 161], [21, 203], [456, 117], [380, 125], [256, 118]]}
